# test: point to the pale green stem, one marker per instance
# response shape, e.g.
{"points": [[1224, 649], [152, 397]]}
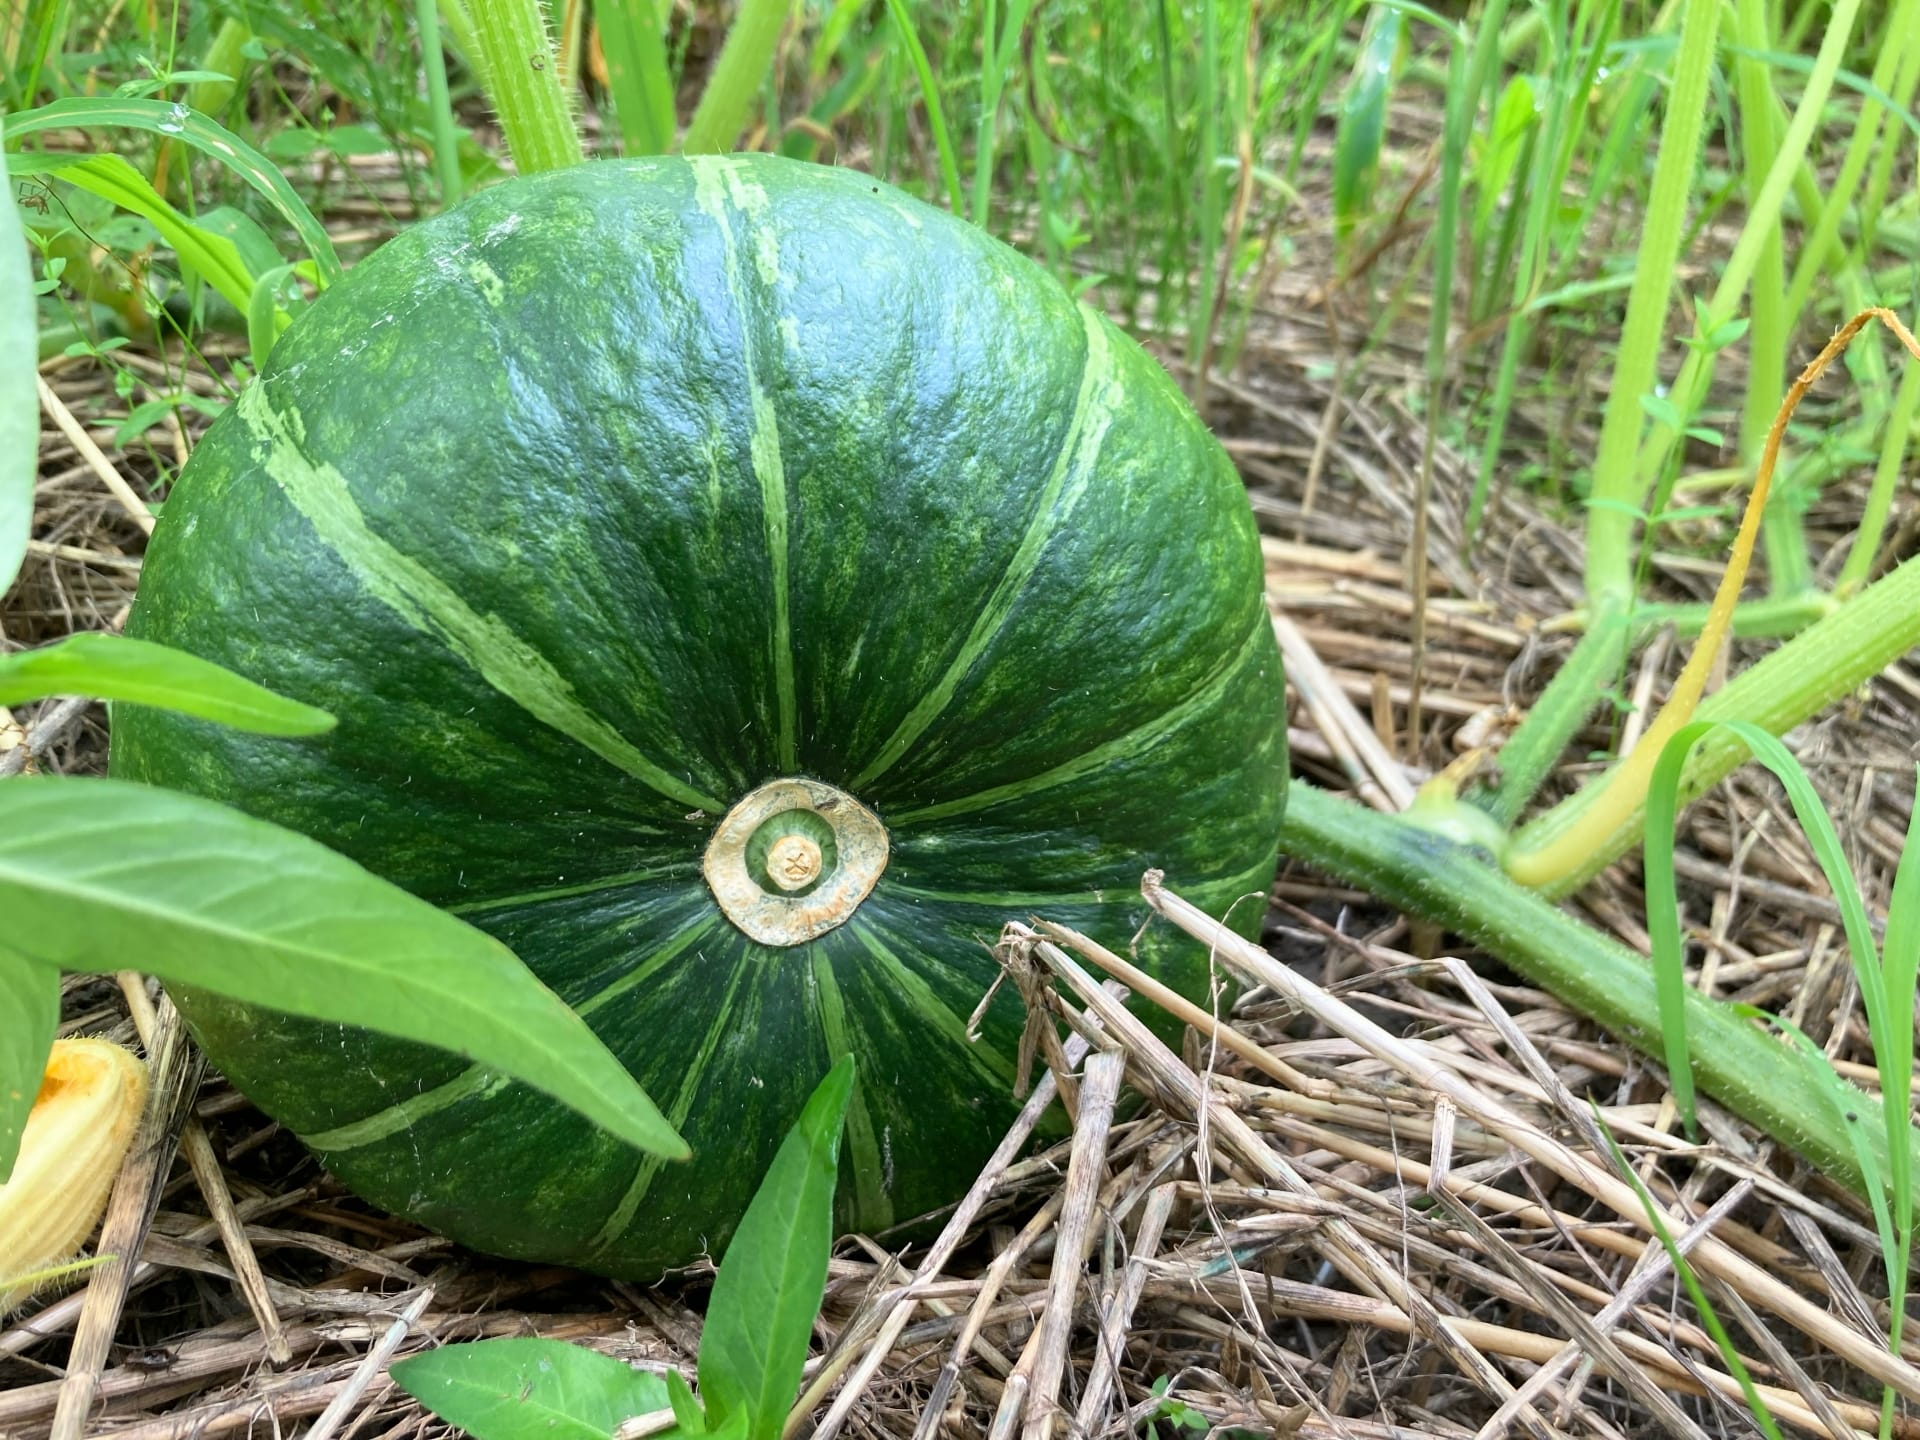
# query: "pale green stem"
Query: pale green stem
{"points": [[1759, 1078], [1886, 478], [456, 27], [983, 138], [1609, 568], [930, 97], [737, 77], [523, 85], [1762, 221], [1829, 659], [1822, 251], [446, 142], [1200, 319], [1578, 685], [1787, 569], [1873, 198]]}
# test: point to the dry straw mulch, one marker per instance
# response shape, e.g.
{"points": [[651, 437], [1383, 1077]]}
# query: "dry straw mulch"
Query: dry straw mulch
{"points": [[1369, 1200]]}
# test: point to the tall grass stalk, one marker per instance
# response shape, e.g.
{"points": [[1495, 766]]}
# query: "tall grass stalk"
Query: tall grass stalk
{"points": [[1865, 545], [930, 97], [639, 79], [1609, 526], [1467, 78], [1821, 251], [998, 43], [1200, 317], [1772, 322], [1573, 66], [446, 140], [1762, 220]]}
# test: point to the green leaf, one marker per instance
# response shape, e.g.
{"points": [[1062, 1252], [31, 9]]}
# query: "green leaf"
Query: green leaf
{"points": [[1663, 927], [774, 1273], [633, 37], [529, 1389], [687, 1413], [100, 873], [204, 135], [19, 394], [29, 1017], [138, 672], [1361, 128], [214, 258], [1513, 118]]}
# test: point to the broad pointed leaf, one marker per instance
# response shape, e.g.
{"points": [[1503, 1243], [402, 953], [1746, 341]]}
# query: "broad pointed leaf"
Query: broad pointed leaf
{"points": [[102, 873], [138, 672], [529, 1389], [771, 1279], [29, 1016]]}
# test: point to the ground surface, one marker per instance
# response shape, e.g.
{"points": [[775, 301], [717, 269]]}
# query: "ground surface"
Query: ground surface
{"points": [[1302, 1237]]}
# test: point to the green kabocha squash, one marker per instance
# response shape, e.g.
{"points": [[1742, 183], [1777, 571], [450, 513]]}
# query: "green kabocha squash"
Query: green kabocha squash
{"points": [[742, 588]]}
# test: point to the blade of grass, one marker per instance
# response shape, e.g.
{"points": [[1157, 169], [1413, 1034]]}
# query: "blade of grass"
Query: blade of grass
{"points": [[1662, 810], [1609, 574], [997, 56], [930, 97], [207, 136], [446, 139], [633, 35], [214, 258], [1722, 1342], [1899, 978], [1690, 387]]}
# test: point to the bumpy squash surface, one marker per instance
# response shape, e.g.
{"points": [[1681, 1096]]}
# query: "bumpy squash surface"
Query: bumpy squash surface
{"points": [[742, 588]]}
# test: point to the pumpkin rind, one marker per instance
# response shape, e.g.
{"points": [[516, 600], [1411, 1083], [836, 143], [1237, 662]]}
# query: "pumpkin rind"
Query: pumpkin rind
{"points": [[619, 492]]}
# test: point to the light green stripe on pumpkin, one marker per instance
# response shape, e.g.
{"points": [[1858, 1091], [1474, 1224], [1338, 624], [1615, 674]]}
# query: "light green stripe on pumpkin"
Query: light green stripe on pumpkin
{"points": [[874, 1210], [718, 188], [1094, 405], [690, 1086], [426, 603], [929, 1008], [478, 1079], [565, 892], [1029, 901], [1121, 748], [474, 1080]]}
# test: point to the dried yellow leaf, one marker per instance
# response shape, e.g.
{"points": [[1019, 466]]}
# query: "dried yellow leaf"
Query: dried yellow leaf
{"points": [[82, 1122]]}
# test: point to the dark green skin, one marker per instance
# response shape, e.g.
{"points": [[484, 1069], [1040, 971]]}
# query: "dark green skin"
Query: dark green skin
{"points": [[495, 503]]}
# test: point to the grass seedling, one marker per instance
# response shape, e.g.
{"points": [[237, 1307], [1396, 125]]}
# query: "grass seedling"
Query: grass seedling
{"points": [[1722, 1342]]}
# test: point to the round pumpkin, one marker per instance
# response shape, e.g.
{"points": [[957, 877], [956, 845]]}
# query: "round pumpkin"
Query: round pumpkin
{"points": [[741, 588]]}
